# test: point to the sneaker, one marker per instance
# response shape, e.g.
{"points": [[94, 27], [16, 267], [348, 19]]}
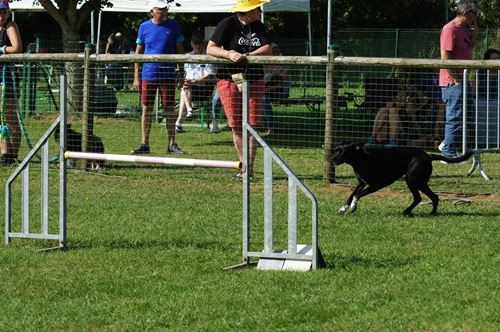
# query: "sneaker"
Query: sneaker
{"points": [[178, 128], [174, 149], [441, 146], [372, 141], [239, 175], [215, 127], [142, 149], [189, 113]]}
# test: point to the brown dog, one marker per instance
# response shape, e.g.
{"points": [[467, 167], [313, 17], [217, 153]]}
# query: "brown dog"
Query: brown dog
{"points": [[377, 167]]}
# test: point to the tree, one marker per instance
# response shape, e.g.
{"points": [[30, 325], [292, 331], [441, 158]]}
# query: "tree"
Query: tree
{"points": [[72, 16]]}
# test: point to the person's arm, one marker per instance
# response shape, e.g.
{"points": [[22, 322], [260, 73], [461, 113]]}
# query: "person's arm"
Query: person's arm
{"points": [[263, 50], [454, 74], [202, 80], [139, 49], [215, 50], [15, 39]]}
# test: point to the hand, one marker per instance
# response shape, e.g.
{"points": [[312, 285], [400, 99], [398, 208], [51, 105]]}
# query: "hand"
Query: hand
{"points": [[137, 84], [236, 56]]}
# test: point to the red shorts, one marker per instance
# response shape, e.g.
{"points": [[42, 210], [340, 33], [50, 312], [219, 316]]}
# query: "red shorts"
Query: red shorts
{"points": [[166, 89], [231, 100]]}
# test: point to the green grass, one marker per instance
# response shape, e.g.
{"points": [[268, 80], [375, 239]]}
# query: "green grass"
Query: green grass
{"points": [[148, 244]]}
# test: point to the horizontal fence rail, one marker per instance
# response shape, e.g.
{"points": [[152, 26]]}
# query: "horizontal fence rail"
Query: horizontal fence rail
{"points": [[342, 91]]}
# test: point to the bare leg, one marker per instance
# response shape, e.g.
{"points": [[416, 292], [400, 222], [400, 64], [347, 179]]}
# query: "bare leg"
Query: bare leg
{"points": [[182, 107], [252, 147], [12, 147], [379, 131], [393, 123], [146, 123], [170, 124], [412, 109], [188, 97]]}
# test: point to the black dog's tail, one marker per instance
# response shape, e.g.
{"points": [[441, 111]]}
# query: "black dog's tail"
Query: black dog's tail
{"points": [[453, 160]]}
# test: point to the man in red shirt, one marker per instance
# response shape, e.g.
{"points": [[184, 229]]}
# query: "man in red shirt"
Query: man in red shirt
{"points": [[456, 42]]}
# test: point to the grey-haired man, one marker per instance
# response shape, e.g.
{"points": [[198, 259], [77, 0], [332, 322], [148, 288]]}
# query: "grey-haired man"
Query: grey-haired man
{"points": [[456, 42]]}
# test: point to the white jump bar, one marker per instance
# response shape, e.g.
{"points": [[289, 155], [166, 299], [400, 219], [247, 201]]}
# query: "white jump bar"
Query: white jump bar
{"points": [[153, 160]]}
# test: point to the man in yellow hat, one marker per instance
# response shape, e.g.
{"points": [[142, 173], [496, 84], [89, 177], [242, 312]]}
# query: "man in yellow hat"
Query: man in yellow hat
{"points": [[234, 38]]}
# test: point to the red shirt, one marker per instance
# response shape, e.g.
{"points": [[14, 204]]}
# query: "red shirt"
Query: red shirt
{"points": [[457, 41]]}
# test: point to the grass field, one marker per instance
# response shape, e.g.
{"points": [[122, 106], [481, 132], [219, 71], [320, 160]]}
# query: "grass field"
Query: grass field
{"points": [[148, 244]]}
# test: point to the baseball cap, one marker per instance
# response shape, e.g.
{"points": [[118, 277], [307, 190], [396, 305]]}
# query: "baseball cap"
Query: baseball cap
{"points": [[158, 4], [4, 4]]}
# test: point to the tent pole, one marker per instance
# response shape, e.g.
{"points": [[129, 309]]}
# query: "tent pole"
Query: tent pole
{"points": [[92, 27], [329, 25], [97, 44]]}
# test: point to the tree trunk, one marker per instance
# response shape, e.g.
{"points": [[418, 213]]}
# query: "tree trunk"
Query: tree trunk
{"points": [[74, 70]]}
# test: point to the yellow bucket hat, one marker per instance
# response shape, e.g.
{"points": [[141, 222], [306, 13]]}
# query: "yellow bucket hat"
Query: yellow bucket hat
{"points": [[243, 6]]}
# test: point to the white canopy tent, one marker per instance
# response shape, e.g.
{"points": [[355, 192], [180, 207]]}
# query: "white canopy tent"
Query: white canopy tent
{"points": [[187, 6]]}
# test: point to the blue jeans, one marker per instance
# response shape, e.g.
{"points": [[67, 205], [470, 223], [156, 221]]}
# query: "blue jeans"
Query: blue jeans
{"points": [[268, 112], [453, 97], [215, 104]]}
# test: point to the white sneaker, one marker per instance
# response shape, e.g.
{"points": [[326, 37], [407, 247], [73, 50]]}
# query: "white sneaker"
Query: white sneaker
{"points": [[215, 127], [189, 113], [441, 146], [178, 128]]}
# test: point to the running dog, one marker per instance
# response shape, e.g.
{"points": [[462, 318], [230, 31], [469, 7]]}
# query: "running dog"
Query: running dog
{"points": [[377, 167], [74, 143]]}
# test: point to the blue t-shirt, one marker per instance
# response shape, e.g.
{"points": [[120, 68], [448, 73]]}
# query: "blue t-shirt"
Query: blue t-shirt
{"points": [[159, 39]]}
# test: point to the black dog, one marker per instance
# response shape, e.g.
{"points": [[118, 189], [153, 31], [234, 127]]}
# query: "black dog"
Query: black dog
{"points": [[74, 143], [378, 167]]}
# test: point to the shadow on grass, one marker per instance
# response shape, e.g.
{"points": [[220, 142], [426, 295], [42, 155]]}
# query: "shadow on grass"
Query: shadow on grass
{"points": [[167, 244], [348, 262]]}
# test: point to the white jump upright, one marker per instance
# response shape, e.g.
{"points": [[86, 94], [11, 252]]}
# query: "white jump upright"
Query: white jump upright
{"points": [[26, 230], [300, 257]]}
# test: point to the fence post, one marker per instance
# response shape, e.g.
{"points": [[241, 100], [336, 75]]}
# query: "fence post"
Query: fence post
{"points": [[396, 46], [328, 169], [87, 117]]}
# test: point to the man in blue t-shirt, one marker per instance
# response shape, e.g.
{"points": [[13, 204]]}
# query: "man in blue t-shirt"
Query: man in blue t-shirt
{"points": [[159, 35]]}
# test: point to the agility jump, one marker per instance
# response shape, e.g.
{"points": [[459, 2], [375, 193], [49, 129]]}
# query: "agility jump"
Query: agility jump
{"points": [[153, 160], [295, 257]]}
